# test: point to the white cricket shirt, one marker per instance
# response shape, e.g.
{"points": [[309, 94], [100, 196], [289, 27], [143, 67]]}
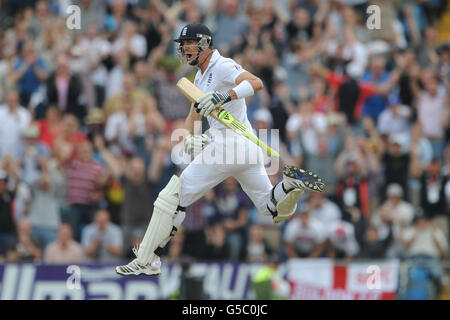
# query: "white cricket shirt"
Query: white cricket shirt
{"points": [[221, 75]]}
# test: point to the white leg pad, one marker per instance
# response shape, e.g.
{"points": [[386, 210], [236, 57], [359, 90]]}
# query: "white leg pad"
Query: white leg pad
{"points": [[161, 222], [287, 205]]}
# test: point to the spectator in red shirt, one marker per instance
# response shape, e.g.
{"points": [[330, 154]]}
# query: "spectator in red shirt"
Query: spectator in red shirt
{"points": [[349, 92], [50, 127], [321, 101], [85, 180], [70, 137]]}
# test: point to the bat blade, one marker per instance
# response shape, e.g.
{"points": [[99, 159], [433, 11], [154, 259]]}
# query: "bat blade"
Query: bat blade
{"points": [[189, 90]]}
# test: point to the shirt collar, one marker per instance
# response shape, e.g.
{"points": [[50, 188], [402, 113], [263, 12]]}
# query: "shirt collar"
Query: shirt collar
{"points": [[214, 57]]}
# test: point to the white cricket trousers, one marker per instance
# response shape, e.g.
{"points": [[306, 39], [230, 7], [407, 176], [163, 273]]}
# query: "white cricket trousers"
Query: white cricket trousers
{"points": [[227, 155]]}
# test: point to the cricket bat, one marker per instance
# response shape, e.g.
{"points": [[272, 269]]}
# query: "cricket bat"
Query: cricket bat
{"points": [[193, 93]]}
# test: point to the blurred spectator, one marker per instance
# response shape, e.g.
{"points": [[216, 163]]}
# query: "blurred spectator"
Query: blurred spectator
{"points": [[432, 110], [7, 224], [138, 193], [64, 89], [352, 187], [322, 209], [304, 237], [421, 148], [280, 107], [24, 248], [130, 41], [427, 55], [115, 19], [257, 249], [114, 83], [217, 247], [394, 119], [396, 164], [432, 194], [125, 127], [64, 250], [301, 25], [377, 74], [94, 56], [329, 145], [95, 123], [50, 127], [69, 138], [29, 72], [443, 68], [102, 240], [85, 179], [195, 226], [171, 102], [232, 211], [143, 73], [14, 119], [424, 239], [341, 240], [304, 129], [32, 153], [41, 18], [47, 190], [137, 97], [396, 210], [230, 24], [371, 245], [54, 39]]}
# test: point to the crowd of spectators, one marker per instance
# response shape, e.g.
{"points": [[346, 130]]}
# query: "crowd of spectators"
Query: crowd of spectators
{"points": [[86, 117]]}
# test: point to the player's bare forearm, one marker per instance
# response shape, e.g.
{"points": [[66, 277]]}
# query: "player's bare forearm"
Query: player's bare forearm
{"points": [[192, 117], [254, 81]]}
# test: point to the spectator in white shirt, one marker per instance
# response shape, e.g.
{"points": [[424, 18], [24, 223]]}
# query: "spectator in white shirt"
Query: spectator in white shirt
{"points": [[304, 237], [47, 191], [424, 239], [102, 240], [323, 209], [14, 119], [123, 127], [432, 110], [95, 50], [395, 118], [341, 240], [131, 41], [304, 128], [64, 250]]}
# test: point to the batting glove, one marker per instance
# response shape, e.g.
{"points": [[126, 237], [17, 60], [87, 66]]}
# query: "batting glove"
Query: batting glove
{"points": [[211, 101], [194, 144]]}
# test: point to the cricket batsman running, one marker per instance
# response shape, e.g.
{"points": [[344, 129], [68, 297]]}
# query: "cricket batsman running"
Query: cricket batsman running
{"points": [[227, 84]]}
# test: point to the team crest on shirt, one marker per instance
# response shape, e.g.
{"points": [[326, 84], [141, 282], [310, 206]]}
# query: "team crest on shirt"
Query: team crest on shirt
{"points": [[209, 79], [237, 67]]}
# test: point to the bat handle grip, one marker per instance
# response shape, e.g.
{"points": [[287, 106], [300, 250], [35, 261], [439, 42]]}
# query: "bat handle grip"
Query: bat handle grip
{"points": [[196, 107]]}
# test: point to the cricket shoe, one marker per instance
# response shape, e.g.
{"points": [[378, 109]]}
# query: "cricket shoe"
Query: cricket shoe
{"points": [[301, 179], [135, 269]]}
